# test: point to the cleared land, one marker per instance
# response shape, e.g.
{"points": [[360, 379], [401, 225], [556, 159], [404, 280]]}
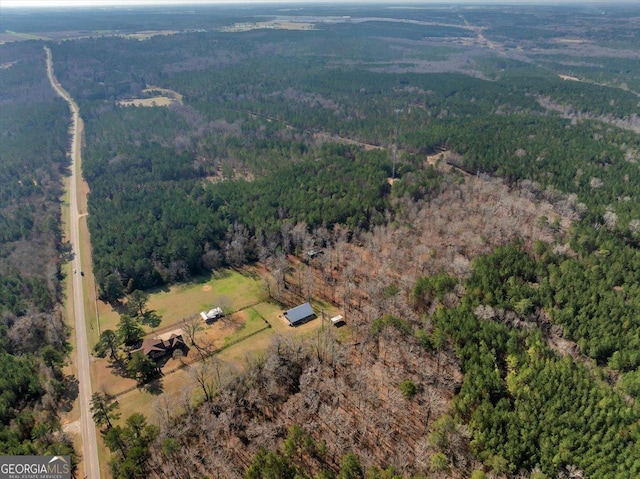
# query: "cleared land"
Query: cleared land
{"points": [[274, 24], [146, 35], [148, 102], [230, 288], [163, 91], [569, 77], [247, 331], [9, 36], [163, 97]]}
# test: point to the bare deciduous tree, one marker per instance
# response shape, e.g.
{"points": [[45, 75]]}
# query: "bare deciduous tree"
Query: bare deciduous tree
{"points": [[207, 375]]}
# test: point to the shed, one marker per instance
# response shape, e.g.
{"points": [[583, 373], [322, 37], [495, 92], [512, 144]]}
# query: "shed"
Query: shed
{"points": [[299, 314], [336, 320], [212, 314], [215, 313]]}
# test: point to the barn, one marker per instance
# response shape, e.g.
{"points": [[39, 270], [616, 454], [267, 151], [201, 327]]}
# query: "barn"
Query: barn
{"points": [[300, 314]]}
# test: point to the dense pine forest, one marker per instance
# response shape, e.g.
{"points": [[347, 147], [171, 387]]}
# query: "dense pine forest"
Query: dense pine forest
{"points": [[471, 176]]}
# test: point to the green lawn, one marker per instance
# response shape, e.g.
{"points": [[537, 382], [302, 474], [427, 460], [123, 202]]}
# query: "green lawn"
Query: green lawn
{"points": [[253, 323], [227, 289], [249, 330]]}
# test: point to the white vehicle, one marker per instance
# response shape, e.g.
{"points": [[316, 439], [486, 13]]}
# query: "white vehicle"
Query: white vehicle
{"points": [[74, 271]]}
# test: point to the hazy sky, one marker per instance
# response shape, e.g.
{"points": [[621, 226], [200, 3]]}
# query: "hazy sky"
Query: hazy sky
{"points": [[90, 3]]}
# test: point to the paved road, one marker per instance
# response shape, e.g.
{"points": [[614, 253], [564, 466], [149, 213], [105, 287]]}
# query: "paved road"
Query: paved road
{"points": [[90, 447]]}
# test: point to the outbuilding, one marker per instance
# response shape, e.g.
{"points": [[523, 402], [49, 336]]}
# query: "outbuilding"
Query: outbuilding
{"points": [[300, 314], [212, 314]]}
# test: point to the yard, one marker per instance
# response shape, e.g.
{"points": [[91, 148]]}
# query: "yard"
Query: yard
{"points": [[229, 289], [251, 327]]}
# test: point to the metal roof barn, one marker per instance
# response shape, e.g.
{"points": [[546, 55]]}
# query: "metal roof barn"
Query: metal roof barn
{"points": [[299, 314]]}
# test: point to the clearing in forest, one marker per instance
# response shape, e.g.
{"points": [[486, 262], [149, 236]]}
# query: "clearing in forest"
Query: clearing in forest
{"points": [[148, 102], [227, 288], [273, 24], [163, 97], [249, 329], [569, 77]]}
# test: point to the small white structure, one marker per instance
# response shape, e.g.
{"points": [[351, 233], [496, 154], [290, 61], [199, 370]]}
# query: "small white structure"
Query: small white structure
{"points": [[212, 315], [336, 320]]}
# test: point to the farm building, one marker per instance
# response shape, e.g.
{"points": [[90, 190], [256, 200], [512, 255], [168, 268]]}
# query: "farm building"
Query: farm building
{"points": [[212, 314], [299, 314]]}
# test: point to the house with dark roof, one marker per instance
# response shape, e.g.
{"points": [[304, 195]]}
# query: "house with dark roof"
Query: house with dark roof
{"points": [[300, 314], [159, 348]]}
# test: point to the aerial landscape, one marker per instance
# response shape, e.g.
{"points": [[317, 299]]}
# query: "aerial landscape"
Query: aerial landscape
{"points": [[321, 240]]}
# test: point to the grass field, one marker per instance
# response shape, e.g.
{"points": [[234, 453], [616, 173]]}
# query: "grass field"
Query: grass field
{"points": [[229, 288], [256, 322], [273, 24], [163, 91], [236, 291], [12, 36], [178, 386], [148, 102]]}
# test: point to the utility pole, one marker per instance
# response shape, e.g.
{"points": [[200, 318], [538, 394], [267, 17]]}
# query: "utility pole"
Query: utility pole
{"points": [[395, 147]]}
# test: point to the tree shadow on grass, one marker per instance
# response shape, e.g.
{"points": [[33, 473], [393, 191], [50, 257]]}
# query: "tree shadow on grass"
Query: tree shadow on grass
{"points": [[119, 368], [202, 278], [119, 307], [164, 288], [154, 386]]}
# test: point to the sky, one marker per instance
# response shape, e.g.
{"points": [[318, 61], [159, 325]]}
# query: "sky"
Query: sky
{"points": [[96, 3]]}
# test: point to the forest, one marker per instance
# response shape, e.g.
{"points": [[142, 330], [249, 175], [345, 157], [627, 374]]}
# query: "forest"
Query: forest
{"points": [[33, 335], [471, 176]]}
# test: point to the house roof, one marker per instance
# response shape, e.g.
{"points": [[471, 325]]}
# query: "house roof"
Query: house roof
{"points": [[156, 344], [150, 345], [299, 313], [168, 335]]}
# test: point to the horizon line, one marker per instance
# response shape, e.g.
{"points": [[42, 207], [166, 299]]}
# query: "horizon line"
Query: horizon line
{"points": [[47, 4]]}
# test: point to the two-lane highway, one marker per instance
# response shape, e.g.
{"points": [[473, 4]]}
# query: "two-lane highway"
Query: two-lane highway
{"points": [[90, 447]]}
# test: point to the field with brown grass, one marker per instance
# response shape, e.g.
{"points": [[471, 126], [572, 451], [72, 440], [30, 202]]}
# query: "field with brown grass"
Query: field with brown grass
{"points": [[148, 102]]}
